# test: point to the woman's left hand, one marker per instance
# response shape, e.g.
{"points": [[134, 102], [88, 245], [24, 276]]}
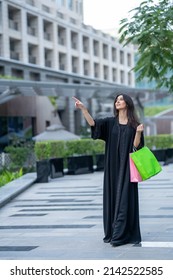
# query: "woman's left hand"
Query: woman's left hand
{"points": [[140, 128]]}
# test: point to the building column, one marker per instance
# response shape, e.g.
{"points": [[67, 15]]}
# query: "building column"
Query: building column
{"points": [[24, 45], [68, 119], [68, 45], [41, 43], [91, 57], [110, 77], [55, 49], [101, 60], [118, 65], [5, 31], [80, 52]]}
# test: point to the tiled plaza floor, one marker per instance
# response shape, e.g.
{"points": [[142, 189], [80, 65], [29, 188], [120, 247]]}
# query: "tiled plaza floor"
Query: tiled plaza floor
{"points": [[62, 219]]}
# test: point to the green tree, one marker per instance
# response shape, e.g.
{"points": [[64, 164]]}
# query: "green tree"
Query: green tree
{"points": [[150, 28]]}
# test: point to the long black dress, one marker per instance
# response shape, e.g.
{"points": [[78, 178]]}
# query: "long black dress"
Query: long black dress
{"points": [[120, 196]]}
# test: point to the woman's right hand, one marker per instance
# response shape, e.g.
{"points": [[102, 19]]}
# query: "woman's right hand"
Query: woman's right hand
{"points": [[85, 112], [78, 103]]}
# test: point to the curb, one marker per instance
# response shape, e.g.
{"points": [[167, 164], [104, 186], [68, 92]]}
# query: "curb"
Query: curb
{"points": [[14, 188]]}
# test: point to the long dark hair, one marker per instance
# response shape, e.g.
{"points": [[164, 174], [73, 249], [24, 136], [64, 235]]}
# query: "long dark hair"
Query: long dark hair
{"points": [[131, 113]]}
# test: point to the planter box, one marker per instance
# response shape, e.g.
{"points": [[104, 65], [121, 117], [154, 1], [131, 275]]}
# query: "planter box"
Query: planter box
{"points": [[43, 171], [100, 162], [80, 164], [56, 167], [169, 156], [165, 155], [160, 154]]}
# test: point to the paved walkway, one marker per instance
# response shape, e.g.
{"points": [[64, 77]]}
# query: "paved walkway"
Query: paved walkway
{"points": [[62, 220]]}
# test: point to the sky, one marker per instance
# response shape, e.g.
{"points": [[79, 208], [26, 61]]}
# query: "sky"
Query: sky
{"points": [[106, 14]]}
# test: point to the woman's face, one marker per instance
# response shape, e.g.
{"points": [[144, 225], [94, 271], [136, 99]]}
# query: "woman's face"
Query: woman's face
{"points": [[120, 103]]}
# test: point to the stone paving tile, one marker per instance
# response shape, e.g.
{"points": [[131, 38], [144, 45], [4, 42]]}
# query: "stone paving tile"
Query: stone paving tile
{"points": [[62, 219]]}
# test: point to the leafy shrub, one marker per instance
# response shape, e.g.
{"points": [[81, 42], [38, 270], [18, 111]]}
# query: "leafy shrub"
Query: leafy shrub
{"points": [[18, 156], [162, 141], [57, 149], [20, 151], [7, 176], [64, 149], [154, 110]]}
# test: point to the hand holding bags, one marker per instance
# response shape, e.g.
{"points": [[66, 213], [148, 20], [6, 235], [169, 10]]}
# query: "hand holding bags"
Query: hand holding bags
{"points": [[145, 162]]}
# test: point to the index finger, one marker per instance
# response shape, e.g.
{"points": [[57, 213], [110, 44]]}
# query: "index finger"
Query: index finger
{"points": [[75, 98]]}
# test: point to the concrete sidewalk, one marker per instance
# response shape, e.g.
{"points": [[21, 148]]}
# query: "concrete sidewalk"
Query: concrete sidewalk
{"points": [[62, 220]]}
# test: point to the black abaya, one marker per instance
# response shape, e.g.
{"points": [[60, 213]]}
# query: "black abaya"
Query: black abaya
{"points": [[120, 196]]}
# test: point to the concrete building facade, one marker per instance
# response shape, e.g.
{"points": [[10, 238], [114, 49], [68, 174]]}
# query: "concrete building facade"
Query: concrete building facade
{"points": [[47, 41]]}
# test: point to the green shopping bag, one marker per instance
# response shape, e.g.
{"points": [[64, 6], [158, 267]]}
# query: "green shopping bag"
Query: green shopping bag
{"points": [[146, 163]]}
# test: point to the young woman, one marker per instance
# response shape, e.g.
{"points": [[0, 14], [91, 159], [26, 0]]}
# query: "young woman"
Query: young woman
{"points": [[121, 133]]}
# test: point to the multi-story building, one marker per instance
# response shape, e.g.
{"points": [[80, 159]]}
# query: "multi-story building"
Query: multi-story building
{"points": [[47, 40], [44, 40]]}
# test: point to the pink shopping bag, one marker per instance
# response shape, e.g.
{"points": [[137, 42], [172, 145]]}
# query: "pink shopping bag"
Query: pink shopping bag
{"points": [[134, 173]]}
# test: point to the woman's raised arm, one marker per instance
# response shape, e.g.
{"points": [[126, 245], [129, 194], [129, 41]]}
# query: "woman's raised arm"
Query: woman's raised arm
{"points": [[84, 110]]}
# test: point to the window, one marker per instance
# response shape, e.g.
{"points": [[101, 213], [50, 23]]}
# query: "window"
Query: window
{"points": [[105, 72], [129, 78], [85, 42], [60, 3], [114, 75], [74, 40], [114, 54], [2, 70], [34, 76], [30, 2], [45, 8], [129, 60], [96, 70], [121, 57], [122, 80], [105, 51], [96, 48], [47, 123], [16, 126], [17, 73], [70, 4]]}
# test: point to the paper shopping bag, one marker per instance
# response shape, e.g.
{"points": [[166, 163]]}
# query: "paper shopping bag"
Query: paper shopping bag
{"points": [[134, 173], [146, 163]]}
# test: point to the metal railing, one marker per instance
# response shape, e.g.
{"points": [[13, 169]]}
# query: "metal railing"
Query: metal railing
{"points": [[5, 160]]}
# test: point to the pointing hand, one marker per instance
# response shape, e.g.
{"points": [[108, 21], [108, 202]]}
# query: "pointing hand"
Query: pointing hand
{"points": [[78, 103]]}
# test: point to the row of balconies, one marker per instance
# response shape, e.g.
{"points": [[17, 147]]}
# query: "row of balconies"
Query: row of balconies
{"points": [[32, 22], [33, 59], [15, 44], [62, 40], [110, 74], [95, 52], [48, 62]]}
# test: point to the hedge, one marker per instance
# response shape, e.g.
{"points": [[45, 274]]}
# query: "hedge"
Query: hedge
{"points": [[162, 141], [63, 149]]}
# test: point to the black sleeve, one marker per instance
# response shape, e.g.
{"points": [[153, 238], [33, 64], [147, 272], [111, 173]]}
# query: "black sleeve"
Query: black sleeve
{"points": [[100, 129]]}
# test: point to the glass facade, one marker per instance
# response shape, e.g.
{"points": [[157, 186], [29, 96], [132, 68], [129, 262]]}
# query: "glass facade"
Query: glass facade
{"points": [[10, 127], [70, 4], [60, 3]]}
